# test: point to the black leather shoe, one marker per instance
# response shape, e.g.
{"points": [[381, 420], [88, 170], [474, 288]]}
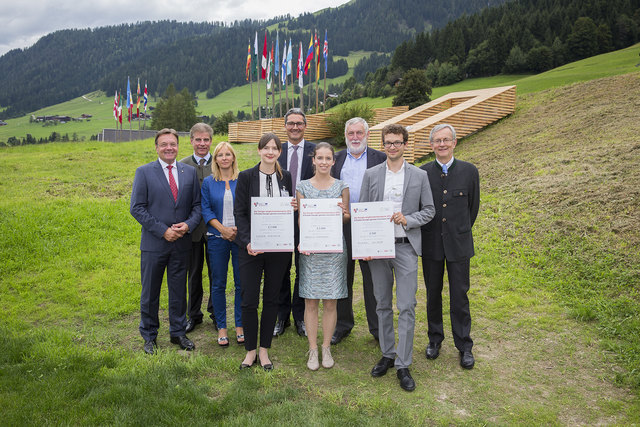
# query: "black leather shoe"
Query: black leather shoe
{"points": [[302, 330], [150, 347], [184, 342], [466, 359], [339, 336], [433, 350], [406, 382], [191, 324], [382, 367], [245, 366], [279, 329]]}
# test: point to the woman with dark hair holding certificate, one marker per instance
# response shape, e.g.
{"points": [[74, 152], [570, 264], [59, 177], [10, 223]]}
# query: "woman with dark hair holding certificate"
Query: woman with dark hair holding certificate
{"points": [[323, 276], [266, 179]]}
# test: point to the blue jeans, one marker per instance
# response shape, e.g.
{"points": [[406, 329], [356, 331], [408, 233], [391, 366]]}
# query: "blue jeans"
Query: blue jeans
{"points": [[219, 250]]}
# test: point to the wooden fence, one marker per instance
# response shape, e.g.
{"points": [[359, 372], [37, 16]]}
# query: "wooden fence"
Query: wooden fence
{"points": [[317, 127], [467, 112]]}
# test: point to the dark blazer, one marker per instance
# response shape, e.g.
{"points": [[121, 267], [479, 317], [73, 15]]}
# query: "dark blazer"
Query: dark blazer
{"points": [[202, 172], [374, 157], [212, 193], [152, 205], [249, 186], [307, 165], [457, 200]]}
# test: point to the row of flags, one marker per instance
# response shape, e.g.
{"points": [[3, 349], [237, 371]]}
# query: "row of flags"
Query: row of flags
{"points": [[117, 106], [270, 64]]}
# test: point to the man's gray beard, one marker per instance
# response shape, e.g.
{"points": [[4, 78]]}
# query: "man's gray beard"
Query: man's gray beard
{"points": [[363, 146]]}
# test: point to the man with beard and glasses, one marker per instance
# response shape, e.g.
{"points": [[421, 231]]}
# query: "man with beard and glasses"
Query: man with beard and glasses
{"points": [[349, 167]]}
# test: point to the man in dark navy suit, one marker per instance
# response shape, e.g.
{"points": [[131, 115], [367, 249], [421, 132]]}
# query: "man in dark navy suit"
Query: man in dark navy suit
{"points": [[295, 158], [349, 167], [447, 240], [166, 201]]}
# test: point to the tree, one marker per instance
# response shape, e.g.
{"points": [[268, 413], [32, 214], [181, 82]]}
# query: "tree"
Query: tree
{"points": [[583, 40], [540, 59], [221, 125], [516, 61], [336, 120], [175, 110], [413, 90]]}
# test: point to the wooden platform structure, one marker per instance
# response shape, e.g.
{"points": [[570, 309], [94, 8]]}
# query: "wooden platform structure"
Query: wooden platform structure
{"points": [[317, 128], [467, 112]]}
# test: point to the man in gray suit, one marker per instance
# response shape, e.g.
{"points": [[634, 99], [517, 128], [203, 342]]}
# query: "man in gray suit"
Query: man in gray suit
{"points": [[200, 136], [408, 188], [166, 201]]}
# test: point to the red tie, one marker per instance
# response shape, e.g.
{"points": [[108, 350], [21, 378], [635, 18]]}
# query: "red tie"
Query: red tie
{"points": [[172, 184]]}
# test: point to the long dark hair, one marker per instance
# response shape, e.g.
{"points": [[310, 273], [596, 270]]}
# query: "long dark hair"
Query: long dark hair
{"points": [[264, 140]]}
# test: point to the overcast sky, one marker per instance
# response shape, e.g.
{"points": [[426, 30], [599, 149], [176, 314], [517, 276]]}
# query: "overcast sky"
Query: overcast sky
{"points": [[23, 22]]}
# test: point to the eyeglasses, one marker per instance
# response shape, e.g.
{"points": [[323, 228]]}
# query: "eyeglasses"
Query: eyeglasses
{"points": [[396, 144], [202, 139], [445, 141], [294, 124]]}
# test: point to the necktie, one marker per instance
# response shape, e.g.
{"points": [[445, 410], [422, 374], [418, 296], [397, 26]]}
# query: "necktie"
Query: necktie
{"points": [[172, 184], [293, 168], [444, 169], [202, 162]]}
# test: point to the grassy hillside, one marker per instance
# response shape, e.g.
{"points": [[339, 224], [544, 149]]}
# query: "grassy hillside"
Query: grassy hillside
{"points": [[554, 293], [238, 98]]}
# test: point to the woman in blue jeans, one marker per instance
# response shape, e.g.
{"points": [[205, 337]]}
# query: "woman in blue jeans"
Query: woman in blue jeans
{"points": [[218, 192]]}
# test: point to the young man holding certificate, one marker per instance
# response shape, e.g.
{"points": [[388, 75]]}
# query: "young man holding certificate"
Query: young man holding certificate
{"points": [[407, 187]]}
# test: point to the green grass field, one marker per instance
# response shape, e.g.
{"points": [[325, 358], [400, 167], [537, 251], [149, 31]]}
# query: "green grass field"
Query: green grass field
{"points": [[554, 294], [239, 98]]}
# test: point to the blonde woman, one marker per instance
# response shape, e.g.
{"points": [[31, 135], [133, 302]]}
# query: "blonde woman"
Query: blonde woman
{"points": [[218, 191]]}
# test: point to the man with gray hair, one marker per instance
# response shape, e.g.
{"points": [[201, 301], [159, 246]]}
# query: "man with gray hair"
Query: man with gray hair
{"points": [[350, 166], [447, 240], [201, 136]]}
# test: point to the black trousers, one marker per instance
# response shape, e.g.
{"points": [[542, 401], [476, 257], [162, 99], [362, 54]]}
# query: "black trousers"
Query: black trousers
{"points": [[199, 254], [152, 267], [274, 266], [288, 303], [458, 273], [345, 306]]}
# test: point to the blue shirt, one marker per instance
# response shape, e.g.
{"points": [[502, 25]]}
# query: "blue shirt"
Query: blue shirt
{"points": [[352, 173]]}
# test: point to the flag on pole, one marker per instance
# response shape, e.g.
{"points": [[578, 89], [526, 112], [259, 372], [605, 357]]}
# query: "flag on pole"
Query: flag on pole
{"points": [[115, 106], [283, 74], [289, 58], [309, 55], [248, 68], [145, 97], [255, 66], [119, 110], [317, 45], [138, 99], [299, 74], [270, 68], [276, 61], [264, 57], [129, 99], [325, 51]]}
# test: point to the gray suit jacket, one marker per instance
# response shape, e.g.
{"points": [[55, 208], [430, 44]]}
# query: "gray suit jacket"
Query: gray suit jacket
{"points": [[417, 202], [152, 205]]}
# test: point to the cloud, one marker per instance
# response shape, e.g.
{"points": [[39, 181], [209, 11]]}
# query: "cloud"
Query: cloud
{"points": [[24, 22]]}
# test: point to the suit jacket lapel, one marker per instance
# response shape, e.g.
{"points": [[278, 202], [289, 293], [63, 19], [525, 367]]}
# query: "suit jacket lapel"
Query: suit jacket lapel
{"points": [[283, 156], [382, 177]]}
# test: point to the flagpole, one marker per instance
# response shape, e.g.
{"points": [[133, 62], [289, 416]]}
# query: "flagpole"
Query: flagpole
{"points": [[251, 79], [324, 95], [316, 49], [280, 94]]}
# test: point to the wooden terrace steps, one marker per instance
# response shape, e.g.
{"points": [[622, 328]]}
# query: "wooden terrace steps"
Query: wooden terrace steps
{"points": [[468, 111]]}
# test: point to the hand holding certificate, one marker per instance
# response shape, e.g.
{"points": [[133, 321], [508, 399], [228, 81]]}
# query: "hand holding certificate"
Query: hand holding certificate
{"points": [[372, 233], [320, 226], [271, 224]]}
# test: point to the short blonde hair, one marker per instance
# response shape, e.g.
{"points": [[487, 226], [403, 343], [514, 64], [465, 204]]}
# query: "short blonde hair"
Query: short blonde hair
{"points": [[215, 169]]}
